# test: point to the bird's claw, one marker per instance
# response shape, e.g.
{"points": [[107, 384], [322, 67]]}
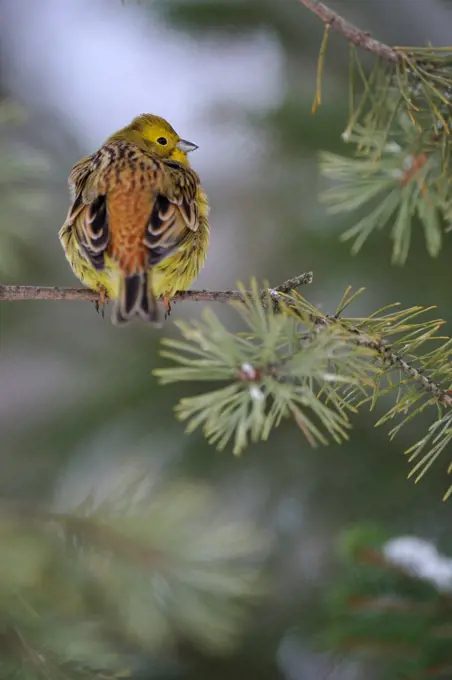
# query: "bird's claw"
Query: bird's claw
{"points": [[102, 301], [167, 306]]}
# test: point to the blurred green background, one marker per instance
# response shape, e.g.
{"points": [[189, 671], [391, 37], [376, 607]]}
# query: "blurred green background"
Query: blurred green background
{"points": [[78, 403]]}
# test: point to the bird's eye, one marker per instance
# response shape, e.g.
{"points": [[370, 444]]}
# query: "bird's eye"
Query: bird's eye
{"points": [[163, 141]]}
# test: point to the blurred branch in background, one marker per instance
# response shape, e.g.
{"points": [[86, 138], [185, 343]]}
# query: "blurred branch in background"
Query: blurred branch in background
{"points": [[391, 604], [95, 590]]}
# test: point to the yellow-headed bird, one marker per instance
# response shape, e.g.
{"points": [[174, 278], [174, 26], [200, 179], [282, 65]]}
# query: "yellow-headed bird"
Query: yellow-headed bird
{"points": [[137, 227]]}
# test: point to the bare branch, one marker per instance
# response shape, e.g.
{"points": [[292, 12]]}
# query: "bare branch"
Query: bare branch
{"points": [[353, 34], [14, 293]]}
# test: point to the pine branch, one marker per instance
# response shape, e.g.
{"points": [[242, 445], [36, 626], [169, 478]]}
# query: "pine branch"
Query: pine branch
{"points": [[353, 34], [15, 293], [389, 357], [424, 375], [267, 373], [294, 361], [400, 127]]}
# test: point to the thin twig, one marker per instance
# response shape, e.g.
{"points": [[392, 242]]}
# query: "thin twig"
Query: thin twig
{"points": [[389, 357], [14, 293], [353, 34]]}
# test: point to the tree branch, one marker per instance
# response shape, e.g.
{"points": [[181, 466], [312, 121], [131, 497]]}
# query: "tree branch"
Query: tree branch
{"points": [[14, 293], [353, 34], [389, 357]]}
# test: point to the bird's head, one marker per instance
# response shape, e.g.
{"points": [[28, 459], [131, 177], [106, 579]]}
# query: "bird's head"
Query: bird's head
{"points": [[156, 135]]}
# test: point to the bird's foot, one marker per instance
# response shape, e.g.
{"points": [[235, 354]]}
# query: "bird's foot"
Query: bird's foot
{"points": [[102, 301], [167, 306]]}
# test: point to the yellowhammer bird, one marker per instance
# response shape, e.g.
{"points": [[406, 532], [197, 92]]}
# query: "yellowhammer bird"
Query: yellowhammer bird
{"points": [[137, 228]]}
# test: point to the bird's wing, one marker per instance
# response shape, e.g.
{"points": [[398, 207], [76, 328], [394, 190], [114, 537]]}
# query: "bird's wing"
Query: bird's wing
{"points": [[78, 175], [87, 216], [174, 217]]}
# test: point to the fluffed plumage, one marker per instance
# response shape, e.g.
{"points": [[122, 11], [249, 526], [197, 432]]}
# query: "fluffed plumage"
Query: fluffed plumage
{"points": [[137, 227]]}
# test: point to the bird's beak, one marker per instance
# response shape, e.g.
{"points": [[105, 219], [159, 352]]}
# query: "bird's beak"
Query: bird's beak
{"points": [[183, 145]]}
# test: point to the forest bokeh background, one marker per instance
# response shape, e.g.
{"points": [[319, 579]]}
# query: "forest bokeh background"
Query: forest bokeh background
{"points": [[80, 411]]}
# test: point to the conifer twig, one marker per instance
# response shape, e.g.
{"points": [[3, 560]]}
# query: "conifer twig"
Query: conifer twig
{"points": [[390, 357], [353, 34], [14, 293]]}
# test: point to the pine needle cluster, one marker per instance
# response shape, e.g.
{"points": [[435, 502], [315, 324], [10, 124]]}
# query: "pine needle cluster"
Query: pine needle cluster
{"points": [[293, 361], [398, 173]]}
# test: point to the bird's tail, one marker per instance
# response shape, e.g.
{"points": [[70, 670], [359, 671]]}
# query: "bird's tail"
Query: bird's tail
{"points": [[136, 298]]}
